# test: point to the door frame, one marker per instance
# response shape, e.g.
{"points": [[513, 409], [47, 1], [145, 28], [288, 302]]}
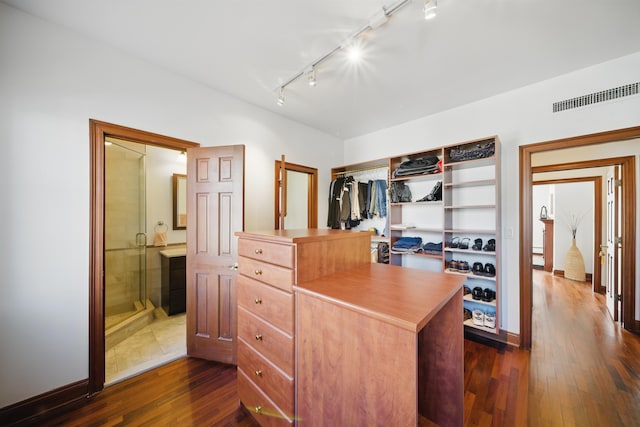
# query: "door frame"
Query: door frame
{"points": [[98, 132], [312, 192], [526, 222]]}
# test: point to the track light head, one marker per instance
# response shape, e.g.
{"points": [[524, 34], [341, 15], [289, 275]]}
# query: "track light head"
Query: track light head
{"points": [[280, 100], [430, 9], [311, 76]]}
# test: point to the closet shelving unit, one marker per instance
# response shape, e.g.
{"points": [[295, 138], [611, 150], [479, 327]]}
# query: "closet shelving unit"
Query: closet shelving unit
{"points": [[416, 219], [471, 195], [470, 207]]}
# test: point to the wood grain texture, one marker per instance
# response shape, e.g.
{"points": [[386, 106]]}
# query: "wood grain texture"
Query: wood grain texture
{"points": [[273, 343], [583, 369], [405, 297], [274, 275], [267, 302], [273, 253], [353, 369]]}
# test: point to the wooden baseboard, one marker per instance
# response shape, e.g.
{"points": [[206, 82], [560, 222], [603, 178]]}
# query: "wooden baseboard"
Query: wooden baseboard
{"points": [[22, 412], [560, 273]]}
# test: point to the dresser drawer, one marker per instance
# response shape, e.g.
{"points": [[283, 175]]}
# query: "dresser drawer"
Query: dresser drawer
{"points": [[259, 405], [273, 253], [272, 343], [274, 275], [266, 376], [273, 305]]}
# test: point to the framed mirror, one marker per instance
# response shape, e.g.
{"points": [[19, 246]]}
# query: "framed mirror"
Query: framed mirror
{"points": [[179, 201]]}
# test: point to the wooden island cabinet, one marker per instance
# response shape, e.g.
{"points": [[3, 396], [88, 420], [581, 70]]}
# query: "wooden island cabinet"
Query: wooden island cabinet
{"points": [[346, 342]]}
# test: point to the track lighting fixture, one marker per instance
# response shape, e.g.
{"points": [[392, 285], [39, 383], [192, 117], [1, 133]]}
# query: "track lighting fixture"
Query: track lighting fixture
{"points": [[351, 46], [430, 9], [311, 76], [280, 100]]}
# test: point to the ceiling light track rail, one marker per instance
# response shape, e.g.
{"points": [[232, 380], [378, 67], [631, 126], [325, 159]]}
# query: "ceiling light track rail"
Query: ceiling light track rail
{"points": [[377, 20]]}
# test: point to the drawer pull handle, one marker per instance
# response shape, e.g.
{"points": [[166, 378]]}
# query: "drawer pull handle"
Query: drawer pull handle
{"points": [[258, 272], [258, 409], [259, 337], [258, 373], [258, 251], [258, 301]]}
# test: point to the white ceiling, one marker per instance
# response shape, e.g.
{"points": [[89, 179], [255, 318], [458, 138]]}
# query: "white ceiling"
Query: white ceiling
{"points": [[472, 50]]}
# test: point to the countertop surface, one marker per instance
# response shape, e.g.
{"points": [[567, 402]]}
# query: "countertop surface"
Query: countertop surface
{"points": [[173, 252], [405, 297]]}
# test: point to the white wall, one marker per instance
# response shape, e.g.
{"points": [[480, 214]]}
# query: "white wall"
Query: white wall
{"points": [[541, 197], [52, 82], [574, 199], [161, 165], [519, 117]]}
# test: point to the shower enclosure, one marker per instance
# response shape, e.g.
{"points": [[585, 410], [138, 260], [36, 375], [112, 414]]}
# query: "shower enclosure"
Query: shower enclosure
{"points": [[124, 235]]}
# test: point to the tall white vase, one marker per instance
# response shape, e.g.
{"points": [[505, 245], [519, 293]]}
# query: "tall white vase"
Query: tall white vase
{"points": [[574, 263]]}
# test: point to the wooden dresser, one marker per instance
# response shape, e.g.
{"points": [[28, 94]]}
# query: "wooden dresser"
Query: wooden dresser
{"points": [[270, 264], [380, 345]]}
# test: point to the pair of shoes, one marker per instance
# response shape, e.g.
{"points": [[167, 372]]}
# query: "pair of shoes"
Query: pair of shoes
{"points": [[434, 195], [490, 246], [477, 245], [480, 318], [459, 266], [457, 243], [488, 295], [476, 293], [488, 270]]}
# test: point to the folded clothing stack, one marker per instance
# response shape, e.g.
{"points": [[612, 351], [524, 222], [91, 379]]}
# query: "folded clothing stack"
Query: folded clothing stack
{"points": [[419, 166], [432, 248], [406, 245]]}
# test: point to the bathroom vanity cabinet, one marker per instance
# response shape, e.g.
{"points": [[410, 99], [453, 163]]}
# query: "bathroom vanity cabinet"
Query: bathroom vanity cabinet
{"points": [[174, 281]]}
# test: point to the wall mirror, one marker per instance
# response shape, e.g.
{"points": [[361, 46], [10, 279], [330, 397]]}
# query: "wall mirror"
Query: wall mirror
{"points": [[179, 201]]}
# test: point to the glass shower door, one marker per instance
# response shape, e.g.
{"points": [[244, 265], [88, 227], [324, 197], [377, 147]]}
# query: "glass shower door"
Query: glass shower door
{"points": [[125, 226]]}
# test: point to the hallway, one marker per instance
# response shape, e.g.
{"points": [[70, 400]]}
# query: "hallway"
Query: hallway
{"points": [[584, 368]]}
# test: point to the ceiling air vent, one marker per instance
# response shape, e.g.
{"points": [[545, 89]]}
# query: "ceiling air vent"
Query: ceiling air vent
{"points": [[594, 98]]}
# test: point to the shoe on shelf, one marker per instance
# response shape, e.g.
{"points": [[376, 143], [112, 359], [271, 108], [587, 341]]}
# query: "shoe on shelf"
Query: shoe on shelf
{"points": [[477, 245], [490, 246], [467, 314], [453, 265], [489, 270], [466, 290], [463, 266], [464, 243], [488, 295], [490, 320], [478, 269], [454, 243], [477, 293], [478, 317]]}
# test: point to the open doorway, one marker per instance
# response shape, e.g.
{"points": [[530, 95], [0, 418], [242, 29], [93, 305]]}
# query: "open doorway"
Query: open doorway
{"points": [[295, 196], [102, 133], [555, 201], [596, 146]]}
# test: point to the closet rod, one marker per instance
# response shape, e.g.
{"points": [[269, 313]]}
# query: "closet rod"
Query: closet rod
{"points": [[360, 170]]}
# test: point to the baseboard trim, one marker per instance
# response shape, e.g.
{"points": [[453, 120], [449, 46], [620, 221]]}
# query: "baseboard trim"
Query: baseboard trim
{"points": [[513, 339], [29, 409], [560, 273]]}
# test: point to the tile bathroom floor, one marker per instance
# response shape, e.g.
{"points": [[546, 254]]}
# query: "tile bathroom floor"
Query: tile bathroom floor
{"points": [[160, 342]]}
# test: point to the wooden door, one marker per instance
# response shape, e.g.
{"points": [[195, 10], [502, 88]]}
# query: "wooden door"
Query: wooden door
{"points": [[612, 260], [215, 211]]}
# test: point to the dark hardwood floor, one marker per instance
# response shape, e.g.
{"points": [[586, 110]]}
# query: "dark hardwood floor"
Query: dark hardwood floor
{"points": [[583, 370]]}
